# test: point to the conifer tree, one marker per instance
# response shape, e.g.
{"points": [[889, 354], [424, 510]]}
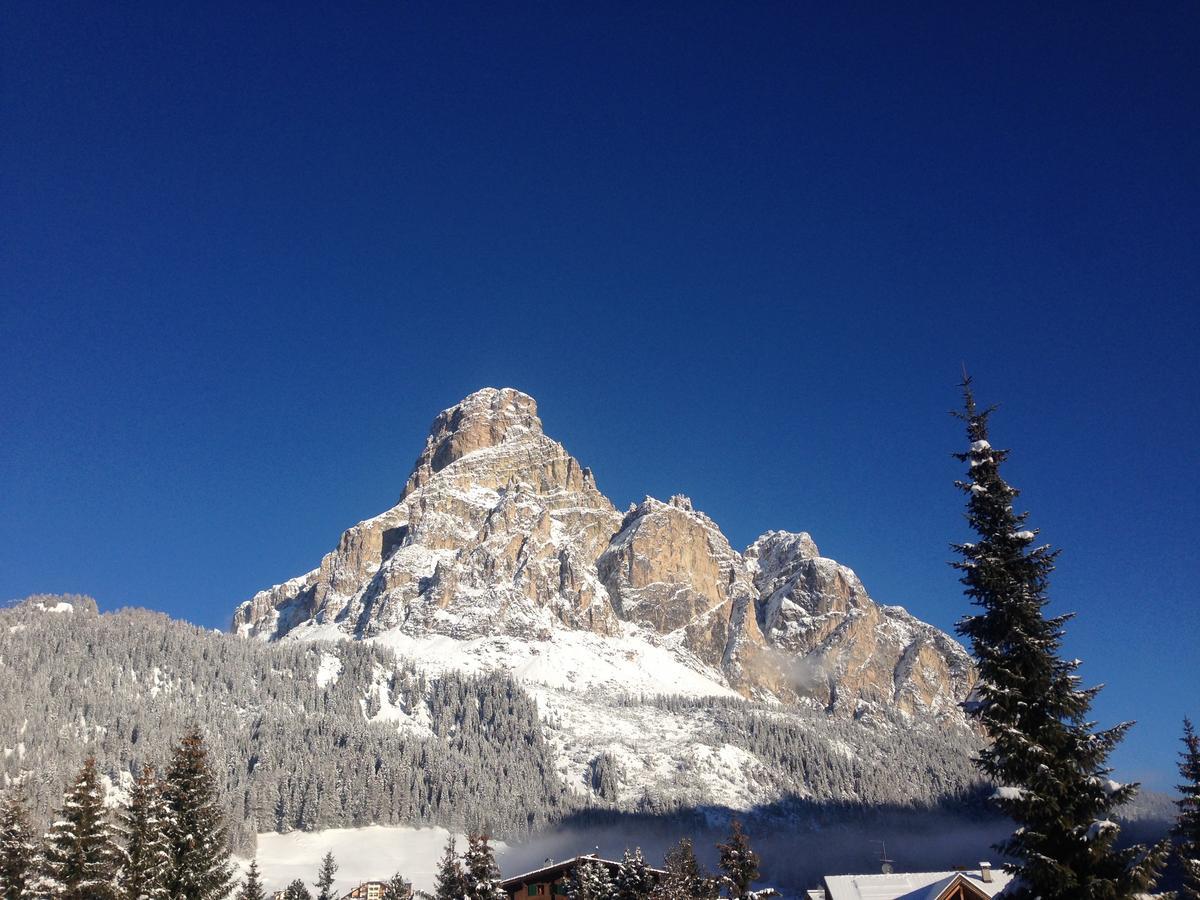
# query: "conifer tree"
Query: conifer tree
{"points": [[81, 857], [590, 881], [144, 823], [200, 867], [634, 880], [397, 888], [325, 878], [1187, 826], [296, 891], [739, 863], [252, 888], [18, 850], [685, 879], [450, 881], [1048, 763], [481, 874]]}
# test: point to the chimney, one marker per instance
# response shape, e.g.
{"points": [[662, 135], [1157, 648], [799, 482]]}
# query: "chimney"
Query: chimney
{"points": [[985, 872]]}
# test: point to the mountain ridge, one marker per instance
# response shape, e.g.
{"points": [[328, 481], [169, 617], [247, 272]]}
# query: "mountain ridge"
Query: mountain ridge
{"points": [[500, 531]]}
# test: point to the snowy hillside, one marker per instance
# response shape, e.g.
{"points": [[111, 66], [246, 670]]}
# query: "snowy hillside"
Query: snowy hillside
{"points": [[316, 735], [503, 555]]}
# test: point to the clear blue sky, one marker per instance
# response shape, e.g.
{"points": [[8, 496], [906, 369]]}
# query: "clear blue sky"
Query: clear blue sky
{"points": [[737, 251]]}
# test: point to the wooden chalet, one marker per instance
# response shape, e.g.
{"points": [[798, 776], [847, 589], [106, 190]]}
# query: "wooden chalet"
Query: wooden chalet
{"points": [[550, 881]]}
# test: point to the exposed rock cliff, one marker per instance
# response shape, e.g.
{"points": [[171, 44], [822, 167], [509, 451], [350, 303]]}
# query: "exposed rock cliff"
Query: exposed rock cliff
{"points": [[499, 532]]}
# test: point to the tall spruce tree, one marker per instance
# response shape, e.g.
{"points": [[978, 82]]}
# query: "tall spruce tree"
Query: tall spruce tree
{"points": [[144, 824], [200, 867], [481, 875], [18, 850], [450, 881], [1187, 826], [397, 888], [685, 879], [81, 857], [252, 888], [324, 882], [634, 881], [1043, 754], [739, 863], [590, 881]]}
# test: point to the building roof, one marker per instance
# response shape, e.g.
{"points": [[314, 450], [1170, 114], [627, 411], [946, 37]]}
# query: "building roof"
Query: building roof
{"points": [[552, 870], [911, 885]]}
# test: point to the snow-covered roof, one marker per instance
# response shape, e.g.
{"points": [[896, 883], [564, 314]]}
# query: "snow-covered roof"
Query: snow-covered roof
{"points": [[911, 885], [553, 868]]}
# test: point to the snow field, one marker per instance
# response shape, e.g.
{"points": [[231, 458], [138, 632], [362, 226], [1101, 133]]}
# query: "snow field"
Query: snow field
{"points": [[373, 853]]}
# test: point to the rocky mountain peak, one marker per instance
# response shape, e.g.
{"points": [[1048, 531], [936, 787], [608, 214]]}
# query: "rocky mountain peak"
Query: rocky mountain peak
{"points": [[501, 534], [777, 550], [486, 419]]}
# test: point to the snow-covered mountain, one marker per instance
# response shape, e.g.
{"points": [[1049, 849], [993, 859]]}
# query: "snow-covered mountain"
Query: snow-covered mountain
{"points": [[502, 553], [500, 533]]}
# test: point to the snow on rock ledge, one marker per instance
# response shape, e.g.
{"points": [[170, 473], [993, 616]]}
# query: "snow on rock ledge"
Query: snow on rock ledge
{"points": [[503, 552]]}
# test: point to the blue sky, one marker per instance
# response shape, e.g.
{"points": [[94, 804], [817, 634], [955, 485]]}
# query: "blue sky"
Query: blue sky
{"points": [[737, 251]]}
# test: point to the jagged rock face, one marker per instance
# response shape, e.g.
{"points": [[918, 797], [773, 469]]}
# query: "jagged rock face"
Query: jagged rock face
{"points": [[500, 531], [670, 569], [848, 648], [498, 528]]}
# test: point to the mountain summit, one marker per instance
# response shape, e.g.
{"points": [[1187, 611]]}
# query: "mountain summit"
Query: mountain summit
{"points": [[502, 552]]}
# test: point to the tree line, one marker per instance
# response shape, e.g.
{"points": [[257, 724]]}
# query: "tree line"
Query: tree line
{"points": [[382, 743], [167, 840], [474, 875]]}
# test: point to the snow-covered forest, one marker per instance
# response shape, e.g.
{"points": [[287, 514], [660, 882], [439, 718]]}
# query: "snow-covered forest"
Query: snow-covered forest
{"points": [[305, 739]]}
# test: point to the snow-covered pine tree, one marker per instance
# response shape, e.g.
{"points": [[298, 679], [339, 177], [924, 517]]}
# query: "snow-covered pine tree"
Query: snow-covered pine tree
{"points": [[80, 856], [481, 875], [144, 824], [739, 863], [397, 888], [634, 880], [252, 888], [685, 879], [1187, 825], [324, 882], [18, 850], [590, 881], [1042, 752], [297, 890], [200, 868], [450, 881]]}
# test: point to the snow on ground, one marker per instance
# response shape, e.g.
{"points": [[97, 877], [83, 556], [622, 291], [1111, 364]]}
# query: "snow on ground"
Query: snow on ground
{"points": [[61, 606], [568, 660], [329, 670], [418, 723], [373, 853], [657, 749], [116, 793], [578, 679]]}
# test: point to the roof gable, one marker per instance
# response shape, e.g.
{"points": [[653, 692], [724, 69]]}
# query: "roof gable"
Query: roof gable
{"points": [[956, 885]]}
